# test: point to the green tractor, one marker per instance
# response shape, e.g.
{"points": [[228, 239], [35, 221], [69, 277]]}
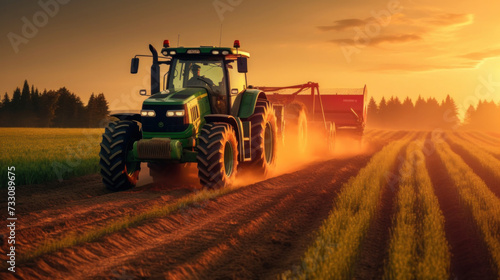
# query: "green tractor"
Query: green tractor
{"points": [[205, 114]]}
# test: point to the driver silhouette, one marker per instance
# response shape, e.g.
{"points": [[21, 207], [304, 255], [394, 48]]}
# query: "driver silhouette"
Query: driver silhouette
{"points": [[198, 80]]}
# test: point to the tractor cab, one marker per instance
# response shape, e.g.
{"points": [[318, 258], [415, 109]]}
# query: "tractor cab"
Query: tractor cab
{"points": [[220, 71]]}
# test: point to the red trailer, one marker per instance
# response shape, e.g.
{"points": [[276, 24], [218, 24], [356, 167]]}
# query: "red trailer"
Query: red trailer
{"points": [[344, 109]]}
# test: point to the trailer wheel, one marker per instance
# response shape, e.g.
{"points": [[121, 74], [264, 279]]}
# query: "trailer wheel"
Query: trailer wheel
{"points": [[332, 135], [118, 138], [264, 139], [217, 155], [296, 127]]}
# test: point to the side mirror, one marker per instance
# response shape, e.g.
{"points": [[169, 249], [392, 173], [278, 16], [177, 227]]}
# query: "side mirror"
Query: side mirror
{"points": [[242, 64], [143, 92], [134, 65]]}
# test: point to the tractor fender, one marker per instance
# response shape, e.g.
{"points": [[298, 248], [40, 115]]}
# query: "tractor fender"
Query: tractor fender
{"points": [[235, 123], [127, 116], [247, 102]]}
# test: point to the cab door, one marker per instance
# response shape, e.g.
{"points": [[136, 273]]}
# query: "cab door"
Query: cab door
{"points": [[237, 81]]}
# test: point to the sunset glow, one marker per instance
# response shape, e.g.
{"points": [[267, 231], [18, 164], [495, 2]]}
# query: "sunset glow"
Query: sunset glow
{"points": [[397, 48]]}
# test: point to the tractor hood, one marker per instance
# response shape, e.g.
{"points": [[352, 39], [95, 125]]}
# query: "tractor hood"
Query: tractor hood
{"points": [[175, 96]]}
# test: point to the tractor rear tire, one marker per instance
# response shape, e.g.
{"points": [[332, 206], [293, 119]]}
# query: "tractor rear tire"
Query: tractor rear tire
{"points": [[118, 138], [217, 155], [264, 139], [296, 127]]}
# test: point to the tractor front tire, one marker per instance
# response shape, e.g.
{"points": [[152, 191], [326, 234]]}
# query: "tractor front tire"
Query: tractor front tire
{"points": [[264, 138], [217, 155], [118, 138]]}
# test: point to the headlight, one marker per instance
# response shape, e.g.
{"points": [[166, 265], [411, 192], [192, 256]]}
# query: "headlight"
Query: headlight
{"points": [[176, 113], [173, 52], [215, 52], [165, 53], [148, 113]]}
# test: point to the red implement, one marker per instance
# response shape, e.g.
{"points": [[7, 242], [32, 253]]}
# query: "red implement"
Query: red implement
{"points": [[345, 107]]}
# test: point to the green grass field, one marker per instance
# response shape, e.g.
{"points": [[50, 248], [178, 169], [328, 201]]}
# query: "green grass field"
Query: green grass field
{"points": [[42, 155]]}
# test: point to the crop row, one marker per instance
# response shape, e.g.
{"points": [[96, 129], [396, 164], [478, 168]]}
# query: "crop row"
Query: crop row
{"points": [[336, 247], [418, 248], [489, 137], [488, 147], [487, 160], [477, 198]]}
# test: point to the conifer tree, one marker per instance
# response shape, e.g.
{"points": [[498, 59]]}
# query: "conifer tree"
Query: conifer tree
{"points": [[372, 113], [382, 113]]}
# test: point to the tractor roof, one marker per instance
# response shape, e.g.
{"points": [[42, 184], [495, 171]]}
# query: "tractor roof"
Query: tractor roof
{"points": [[203, 50]]}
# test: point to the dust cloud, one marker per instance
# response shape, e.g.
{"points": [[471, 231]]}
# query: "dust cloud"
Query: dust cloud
{"points": [[290, 158]]}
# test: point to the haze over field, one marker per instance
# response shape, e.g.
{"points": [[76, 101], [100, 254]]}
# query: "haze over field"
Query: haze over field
{"points": [[398, 48]]}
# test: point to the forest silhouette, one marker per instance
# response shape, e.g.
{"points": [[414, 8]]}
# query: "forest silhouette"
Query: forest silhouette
{"points": [[61, 108], [54, 108], [427, 114]]}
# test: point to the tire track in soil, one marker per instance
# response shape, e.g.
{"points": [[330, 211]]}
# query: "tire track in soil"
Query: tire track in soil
{"points": [[303, 209], [41, 196], [254, 232], [268, 263], [486, 175], [374, 249], [82, 211], [470, 258], [52, 224]]}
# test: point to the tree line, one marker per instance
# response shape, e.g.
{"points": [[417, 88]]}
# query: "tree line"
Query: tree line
{"points": [[426, 114], [29, 107], [485, 116], [62, 108]]}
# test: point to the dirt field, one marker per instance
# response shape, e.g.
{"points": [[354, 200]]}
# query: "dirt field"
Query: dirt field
{"points": [[258, 230]]}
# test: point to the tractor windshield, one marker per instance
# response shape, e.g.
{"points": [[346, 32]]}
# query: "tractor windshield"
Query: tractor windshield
{"points": [[197, 73], [207, 73]]}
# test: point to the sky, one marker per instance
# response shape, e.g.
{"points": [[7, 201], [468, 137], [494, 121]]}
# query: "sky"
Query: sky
{"points": [[396, 47]]}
